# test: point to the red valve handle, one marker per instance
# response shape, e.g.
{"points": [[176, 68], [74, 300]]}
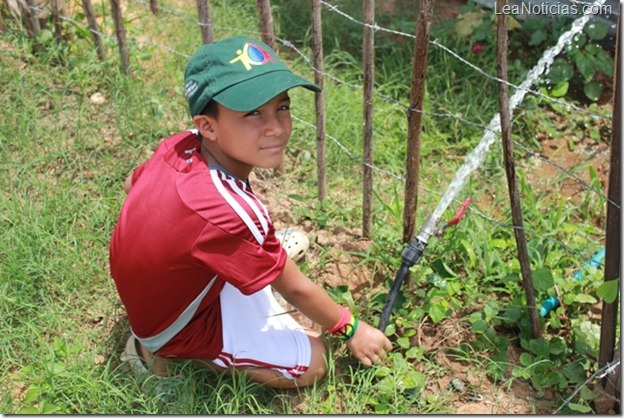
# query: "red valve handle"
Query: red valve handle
{"points": [[461, 212]]}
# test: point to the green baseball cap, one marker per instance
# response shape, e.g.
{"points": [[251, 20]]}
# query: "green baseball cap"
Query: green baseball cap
{"points": [[239, 73]]}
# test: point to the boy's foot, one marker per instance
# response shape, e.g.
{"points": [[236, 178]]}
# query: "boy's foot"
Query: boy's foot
{"points": [[142, 361], [295, 243], [133, 356]]}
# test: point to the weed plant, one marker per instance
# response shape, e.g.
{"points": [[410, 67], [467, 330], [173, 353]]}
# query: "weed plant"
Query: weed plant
{"points": [[65, 157]]}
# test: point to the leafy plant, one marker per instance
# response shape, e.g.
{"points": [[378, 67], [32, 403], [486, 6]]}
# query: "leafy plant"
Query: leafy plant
{"points": [[398, 384], [585, 63]]}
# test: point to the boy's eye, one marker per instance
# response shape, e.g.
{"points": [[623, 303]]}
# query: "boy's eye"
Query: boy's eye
{"points": [[252, 113], [284, 107]]}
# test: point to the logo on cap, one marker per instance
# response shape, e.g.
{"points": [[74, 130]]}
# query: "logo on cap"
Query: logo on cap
{"points": [[252, 54]]}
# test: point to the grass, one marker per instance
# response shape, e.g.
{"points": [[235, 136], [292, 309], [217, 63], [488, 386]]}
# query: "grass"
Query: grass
{"points": [[65, 158]]}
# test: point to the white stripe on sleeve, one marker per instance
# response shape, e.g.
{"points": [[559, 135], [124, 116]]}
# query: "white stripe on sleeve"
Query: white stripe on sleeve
{"points": [[237, 207]]}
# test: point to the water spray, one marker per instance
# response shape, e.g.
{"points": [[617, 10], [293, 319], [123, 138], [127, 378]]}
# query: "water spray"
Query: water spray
{"points": [[412, 254], [414, 251]]}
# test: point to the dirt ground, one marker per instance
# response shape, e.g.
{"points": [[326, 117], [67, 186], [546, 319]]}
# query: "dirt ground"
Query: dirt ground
{"points": [[339, 266], [568, 153]]}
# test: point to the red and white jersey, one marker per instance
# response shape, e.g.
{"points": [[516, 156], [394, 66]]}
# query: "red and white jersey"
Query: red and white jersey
{"points": [[183, 224]]}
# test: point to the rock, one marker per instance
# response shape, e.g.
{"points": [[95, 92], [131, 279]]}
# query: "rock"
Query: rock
{"points": [[323, 238], [357, 246], [97, 98]]}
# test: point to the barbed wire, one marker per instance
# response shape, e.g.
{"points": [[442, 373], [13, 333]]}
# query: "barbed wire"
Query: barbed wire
{"points": [[391, 99], [344, 148], [600, 373], [436, 43], [480, 213]]}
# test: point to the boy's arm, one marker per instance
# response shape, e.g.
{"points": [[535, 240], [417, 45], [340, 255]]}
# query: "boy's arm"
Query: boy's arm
{"points": [[132, 177], [128, 184], [368, 344]]}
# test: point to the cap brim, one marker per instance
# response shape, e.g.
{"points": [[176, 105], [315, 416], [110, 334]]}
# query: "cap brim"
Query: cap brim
{"points": [[251, 94]]}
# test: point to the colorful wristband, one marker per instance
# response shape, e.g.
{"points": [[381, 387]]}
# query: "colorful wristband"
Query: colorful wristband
{"points": [[349, 329], [346, 326], [344, 319]]}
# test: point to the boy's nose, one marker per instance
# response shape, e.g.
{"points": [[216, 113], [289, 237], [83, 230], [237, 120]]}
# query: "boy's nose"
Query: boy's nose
{"points": [[274, 126]]}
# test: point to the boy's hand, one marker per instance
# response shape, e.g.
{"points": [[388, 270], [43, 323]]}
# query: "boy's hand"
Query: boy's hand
{"points": [[368, 345]]}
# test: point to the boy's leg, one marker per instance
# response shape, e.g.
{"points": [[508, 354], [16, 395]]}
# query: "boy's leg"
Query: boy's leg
{"points": [[316, 370], [296, 244], [158, 365], [260, 338]]}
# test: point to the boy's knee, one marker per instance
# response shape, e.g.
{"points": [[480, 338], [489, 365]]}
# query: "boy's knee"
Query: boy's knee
{"points": [[318, 364]]}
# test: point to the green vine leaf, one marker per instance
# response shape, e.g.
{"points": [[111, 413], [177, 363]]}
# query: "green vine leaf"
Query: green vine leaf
{"points": [[592, 90], [608, 290], [543, 279]]}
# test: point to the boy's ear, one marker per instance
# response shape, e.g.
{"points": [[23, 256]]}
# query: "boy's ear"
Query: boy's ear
{"points": [[204, 125]]}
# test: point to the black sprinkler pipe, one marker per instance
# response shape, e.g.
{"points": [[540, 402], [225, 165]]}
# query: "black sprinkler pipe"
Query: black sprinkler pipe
{"points": [[410, 256]]}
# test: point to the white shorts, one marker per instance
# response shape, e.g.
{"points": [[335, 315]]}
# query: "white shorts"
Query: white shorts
{"points": [[258, 333]]}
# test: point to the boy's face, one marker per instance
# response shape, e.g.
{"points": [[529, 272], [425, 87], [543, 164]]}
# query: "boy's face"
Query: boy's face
{"points": [[240, 141]]}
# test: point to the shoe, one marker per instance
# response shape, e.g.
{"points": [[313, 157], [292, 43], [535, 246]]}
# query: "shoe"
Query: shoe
{"points": [[295, 243], [154, 384], [132, 356]]}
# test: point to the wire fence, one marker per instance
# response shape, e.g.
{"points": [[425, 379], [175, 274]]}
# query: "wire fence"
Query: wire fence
{"points": [[354, 154], [567, 173], [405, 106]]}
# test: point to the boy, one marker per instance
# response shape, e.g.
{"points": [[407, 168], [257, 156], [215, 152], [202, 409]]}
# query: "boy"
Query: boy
{"points": [[194, 254]]}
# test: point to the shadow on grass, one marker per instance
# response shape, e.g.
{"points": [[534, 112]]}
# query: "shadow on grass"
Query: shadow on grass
{"points": [[117, 337]]}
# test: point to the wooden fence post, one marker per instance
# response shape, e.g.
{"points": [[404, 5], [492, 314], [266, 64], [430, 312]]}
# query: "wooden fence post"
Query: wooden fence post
{"points": [[369, 89], [120, 31], [153, 5], [267, 32], [94, 29], [414, 116], [510, 171], [317, 48], [56, 19], [205, 21], [613, 246], [267, 35], [30, 16]]}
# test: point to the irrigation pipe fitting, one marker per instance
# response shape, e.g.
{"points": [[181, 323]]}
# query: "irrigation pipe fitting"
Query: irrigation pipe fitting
{"points": [[412, 254]]}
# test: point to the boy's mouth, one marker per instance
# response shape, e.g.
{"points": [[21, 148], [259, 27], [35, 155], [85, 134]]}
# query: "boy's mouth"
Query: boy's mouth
{"points": [[274, 148]]}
